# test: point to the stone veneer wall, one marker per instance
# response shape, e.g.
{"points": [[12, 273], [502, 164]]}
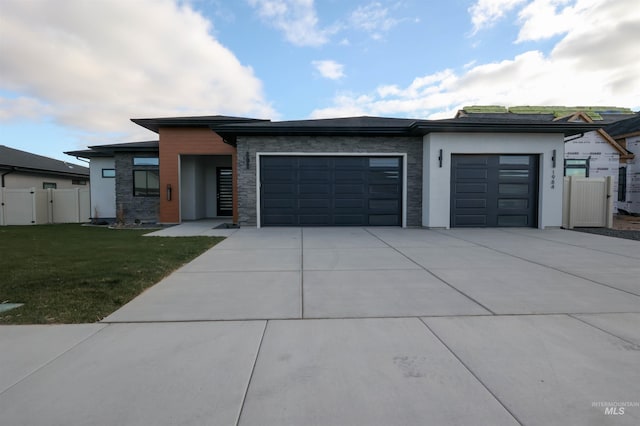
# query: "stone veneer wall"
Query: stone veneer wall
{"points": [[141, 209], [412, 146]]}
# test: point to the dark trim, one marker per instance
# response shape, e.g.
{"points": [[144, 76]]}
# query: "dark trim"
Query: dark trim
{"points": [[154, 124], [15, 169], [358, 126]]}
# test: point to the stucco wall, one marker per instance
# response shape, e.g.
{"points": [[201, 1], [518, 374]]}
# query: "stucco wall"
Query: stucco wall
{"points": [[411, 146], [437, 180], [103, 190]]}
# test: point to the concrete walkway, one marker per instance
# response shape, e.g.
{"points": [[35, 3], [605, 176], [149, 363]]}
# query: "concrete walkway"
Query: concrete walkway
{"points": [[353, 326]]}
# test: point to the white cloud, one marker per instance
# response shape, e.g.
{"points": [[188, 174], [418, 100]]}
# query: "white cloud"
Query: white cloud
{"points": [[22, 108], [485, 13], [297, 19], [595, 63], [542, 19], [329, 69], [372, 18], [94, 65]]}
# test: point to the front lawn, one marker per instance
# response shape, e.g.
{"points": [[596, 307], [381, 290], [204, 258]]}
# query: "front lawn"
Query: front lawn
{"points": [[79, 274]]}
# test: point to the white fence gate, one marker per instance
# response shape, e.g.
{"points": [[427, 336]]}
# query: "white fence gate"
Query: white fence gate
{"points": [[588, 202], [39, 206]]}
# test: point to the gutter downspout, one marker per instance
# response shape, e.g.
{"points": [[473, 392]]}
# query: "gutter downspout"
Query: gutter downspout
{"points": [[13, 169]]}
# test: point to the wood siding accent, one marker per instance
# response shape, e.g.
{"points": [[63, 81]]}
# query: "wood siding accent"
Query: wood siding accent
{"points": [[185, 141]]}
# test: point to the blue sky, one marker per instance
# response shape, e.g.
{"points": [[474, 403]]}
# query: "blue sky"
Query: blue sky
{"points": [[73, 72]]}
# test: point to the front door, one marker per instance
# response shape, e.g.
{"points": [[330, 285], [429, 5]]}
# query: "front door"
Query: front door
{"points": [[224, 188]]}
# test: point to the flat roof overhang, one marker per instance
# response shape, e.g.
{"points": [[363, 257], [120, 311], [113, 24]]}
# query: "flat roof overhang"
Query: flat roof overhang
{"points": [[404, 128]]}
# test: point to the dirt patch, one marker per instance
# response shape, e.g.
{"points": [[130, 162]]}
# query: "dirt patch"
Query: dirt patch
{"points": [[626, 222]]}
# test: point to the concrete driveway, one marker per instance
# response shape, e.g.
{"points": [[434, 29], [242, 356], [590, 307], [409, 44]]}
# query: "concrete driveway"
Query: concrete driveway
{"points": [[353, 326]]}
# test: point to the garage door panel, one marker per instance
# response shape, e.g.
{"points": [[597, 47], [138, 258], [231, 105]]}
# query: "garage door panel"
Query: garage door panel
{"points": [[276, 175], [513, 220], [355, 189], [471, 220], [348, 203], [278, 188], [383, 189], [349, 220], [314, 188], [471, 188], [349, 162], [384, 220], [268, 161], [471, 174], [334, 191], [313, 162], [313, 203], [278, 220], [387, 205], [471, 203], [314, 219], [279, 203]]}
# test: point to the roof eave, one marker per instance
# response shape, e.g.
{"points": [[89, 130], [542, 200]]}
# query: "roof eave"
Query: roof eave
{"points": [[568, 129]]}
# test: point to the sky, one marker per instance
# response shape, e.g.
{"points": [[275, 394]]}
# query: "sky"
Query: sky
{"points": [[74, 72]]}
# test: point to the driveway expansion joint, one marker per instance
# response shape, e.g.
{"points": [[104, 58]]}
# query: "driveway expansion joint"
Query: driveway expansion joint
{"points": [[471, 372], [432, 274]]}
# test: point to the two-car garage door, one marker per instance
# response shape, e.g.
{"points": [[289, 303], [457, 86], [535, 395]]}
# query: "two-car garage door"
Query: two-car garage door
{"points": [[330, 190]]}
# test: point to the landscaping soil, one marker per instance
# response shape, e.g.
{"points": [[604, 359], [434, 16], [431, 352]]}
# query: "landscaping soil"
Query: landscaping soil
{"points": [[627, 227]]}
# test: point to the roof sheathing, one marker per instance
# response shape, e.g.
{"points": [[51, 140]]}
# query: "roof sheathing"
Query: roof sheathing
{"points": [[596, 113]]}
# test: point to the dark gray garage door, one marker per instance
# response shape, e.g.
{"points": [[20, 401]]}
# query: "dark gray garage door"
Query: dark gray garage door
{"points": [[330, 191], [494, 190]]}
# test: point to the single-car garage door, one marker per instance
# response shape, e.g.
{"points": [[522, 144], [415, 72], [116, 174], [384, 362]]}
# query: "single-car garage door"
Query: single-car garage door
{"points": [[330, 191], [494, 190]]}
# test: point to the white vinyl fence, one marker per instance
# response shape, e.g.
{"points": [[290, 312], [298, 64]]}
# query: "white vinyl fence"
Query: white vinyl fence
{"points": [[588, 202], [39, 206]]}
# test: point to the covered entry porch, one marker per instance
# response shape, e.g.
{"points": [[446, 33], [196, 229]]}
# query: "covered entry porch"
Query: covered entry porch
{"points": [[206, 187]]}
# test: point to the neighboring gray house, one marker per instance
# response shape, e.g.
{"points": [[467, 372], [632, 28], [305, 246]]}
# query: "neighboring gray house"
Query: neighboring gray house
{"points": [[22, 170], [356, 171]]}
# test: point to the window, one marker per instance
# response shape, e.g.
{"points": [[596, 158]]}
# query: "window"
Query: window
{"points": [[49, 185], [108, 173], [622, 184], [146, 161], [578, 168], [146, 183], [384, 162], [78, 182], [521, 160]]}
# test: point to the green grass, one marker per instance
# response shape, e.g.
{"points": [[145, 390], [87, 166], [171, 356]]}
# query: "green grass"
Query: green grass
{"points": [[80, 274]]}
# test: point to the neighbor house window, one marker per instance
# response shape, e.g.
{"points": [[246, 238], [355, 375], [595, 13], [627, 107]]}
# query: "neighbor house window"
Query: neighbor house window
{"points": [[108, 173], [49, 185], [146, 183], [78, 182], [622, 184], [575, 167]]}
